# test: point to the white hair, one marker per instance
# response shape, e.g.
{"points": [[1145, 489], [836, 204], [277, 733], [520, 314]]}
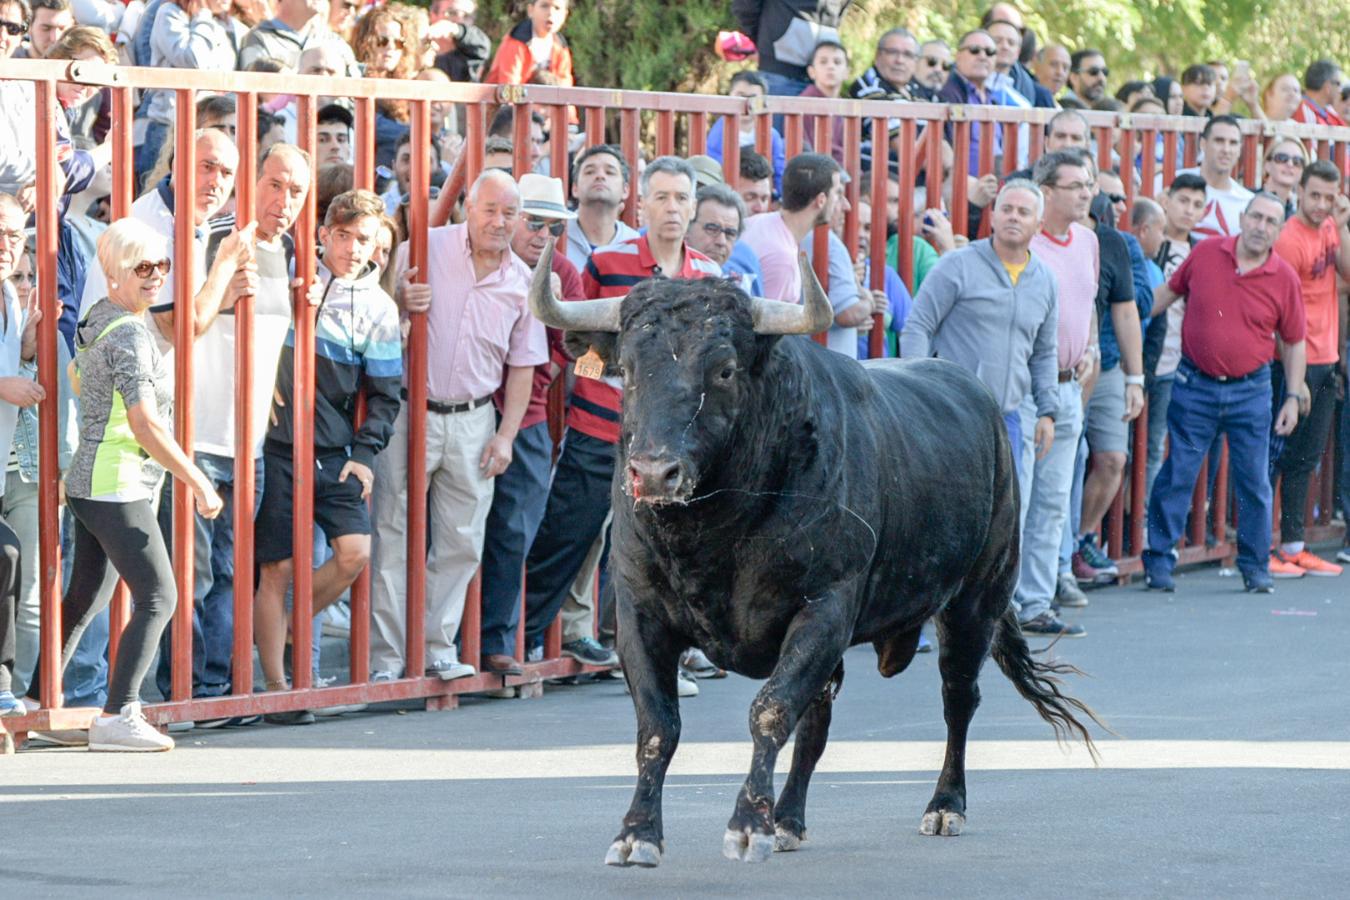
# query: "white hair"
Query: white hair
{"points": [[1023, 184], [126, 244], [493, 175]]}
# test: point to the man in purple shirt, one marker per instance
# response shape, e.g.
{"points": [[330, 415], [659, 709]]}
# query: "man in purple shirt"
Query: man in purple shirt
{"points": [[971, 82], [478, 325]]}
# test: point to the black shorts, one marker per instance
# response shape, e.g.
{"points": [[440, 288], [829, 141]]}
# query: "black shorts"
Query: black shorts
{"points": [[338, 507]]}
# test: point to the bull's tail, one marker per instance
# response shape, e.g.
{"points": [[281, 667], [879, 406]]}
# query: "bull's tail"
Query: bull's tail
{"points": [[1039, 682]]}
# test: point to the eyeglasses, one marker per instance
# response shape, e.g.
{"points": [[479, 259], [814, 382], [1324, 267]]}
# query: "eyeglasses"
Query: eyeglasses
{"points": [[13, 237], [712, 229], [1288, 159], [385, 41], [934, 62], [1074, 186], [976, 51], [1094, 71], [555, 226], [145, 267], [895, 52], [14, 29], [1116, 198]]}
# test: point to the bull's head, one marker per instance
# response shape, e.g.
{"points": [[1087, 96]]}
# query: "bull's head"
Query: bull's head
{"points": [[688, 352]]}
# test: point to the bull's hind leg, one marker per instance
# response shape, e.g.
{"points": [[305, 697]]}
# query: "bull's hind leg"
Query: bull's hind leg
{"points": [[965, 633], [809, 656], [812, 732], [650, 656]]}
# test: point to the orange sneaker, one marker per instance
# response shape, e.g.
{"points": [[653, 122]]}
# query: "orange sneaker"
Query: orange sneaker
{"points": [[1282, 566], [1313, 564]]}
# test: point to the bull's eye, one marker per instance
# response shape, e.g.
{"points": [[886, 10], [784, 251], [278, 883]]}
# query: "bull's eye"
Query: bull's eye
{"points": [[727, 373]]}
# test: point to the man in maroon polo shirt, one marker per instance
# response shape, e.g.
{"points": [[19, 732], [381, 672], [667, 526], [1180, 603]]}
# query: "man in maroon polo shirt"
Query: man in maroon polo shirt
{"points": [[1239, 295]]}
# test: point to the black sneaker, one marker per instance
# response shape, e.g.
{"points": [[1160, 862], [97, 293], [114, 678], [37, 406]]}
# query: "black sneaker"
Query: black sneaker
{"points": [[214, 723], [588, 651], [1049, 625], [1068, 594], [294, 717], [1257, 582]]}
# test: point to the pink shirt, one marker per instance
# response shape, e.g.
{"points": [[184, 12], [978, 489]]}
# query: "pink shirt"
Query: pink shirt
{"points": [[473, 330], [1075, 262], [768, 235]]}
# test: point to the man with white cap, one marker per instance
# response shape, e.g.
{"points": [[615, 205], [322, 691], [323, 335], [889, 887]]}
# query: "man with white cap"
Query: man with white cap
{"points": [[521, 491], [479, 328]]}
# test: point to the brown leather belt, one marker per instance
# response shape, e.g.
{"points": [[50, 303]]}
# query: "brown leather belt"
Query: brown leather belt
{"points": [[1065, 375]]}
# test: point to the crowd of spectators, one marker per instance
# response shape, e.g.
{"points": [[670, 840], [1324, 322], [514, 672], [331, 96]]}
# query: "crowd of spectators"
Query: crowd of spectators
{"points": [[1218, 305]]}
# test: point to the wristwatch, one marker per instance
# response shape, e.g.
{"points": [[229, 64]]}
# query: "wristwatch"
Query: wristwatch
{"points": [[1134, 379]]}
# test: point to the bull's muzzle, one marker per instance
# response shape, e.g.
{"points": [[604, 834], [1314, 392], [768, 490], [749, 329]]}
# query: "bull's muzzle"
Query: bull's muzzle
{"points": [[658, 479]]}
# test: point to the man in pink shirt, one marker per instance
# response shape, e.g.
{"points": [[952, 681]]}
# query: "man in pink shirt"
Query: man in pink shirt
{"points": [[812, 189], [478, 326], [1070, 252]]}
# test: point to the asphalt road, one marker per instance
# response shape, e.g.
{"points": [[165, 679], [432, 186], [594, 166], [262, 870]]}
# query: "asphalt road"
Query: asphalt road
{"points": [[1230, 778]]}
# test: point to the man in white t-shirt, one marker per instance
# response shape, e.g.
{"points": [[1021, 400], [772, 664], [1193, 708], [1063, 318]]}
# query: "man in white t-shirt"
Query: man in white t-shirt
{"points": [[1225, 197]]}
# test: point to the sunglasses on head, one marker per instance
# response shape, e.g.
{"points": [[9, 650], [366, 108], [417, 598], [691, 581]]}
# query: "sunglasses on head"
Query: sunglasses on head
{"points": [[935, 63], [987, 51], [1288, 159], [14, 28], [555, 226], [1094, 71], [145, 267]]}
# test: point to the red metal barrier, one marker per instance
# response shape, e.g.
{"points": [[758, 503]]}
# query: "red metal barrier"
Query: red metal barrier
{"points": [[633, 120]]}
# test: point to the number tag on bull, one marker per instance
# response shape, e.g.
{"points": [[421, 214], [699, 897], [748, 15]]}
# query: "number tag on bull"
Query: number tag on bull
{"points": [[590, 365]]}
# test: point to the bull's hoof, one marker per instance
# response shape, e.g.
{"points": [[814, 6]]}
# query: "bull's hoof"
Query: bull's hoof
{"points": [[785, 840], [947, 824], [631, 851], [747, 846]]}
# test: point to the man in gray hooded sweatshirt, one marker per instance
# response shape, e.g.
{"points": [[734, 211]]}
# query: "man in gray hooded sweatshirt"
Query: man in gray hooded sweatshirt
{"points": [[993, 308]]}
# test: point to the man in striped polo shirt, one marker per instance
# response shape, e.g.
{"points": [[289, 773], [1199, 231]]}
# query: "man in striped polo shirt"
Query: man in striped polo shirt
{"points": [[578, 502]]}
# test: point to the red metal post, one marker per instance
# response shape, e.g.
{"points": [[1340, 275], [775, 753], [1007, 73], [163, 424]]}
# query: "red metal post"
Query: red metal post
{"points": [[665, 132], [986, 168], [49, 518], [473, 143], [960, 211], [698, 133], [1149, 169], [630, 140], [764, 135], [557, 150], [1169, 158], [364, 158], [1191, 149], [822, 141], [731, 149], [302, 451], [184, 246], [1249, 171], [793, 138], [904, 214], [1012, 136], [1104, 148], [471, 624], [244, 439], [416, 589], [1127, 174], [595, 126], [520, 139]]}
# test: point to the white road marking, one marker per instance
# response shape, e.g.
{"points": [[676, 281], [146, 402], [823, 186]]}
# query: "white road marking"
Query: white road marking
{"points": [[217, 765]]}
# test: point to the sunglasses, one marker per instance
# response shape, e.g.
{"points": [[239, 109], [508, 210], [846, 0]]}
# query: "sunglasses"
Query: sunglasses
{"points": [[1095, 71], [14, 29], [1288, 159], [976, 51], [145, 267], [1116, 198], [555, 226], [935, 63], [712, 229], [385, 41]]}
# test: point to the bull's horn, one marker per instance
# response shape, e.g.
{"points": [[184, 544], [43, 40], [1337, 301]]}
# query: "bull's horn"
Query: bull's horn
{"points": [[579, 315], [814, 315]]}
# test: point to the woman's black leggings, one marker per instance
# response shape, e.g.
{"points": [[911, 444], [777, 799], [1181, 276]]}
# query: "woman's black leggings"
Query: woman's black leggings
{"points": [[9, 601], [127, 535]]}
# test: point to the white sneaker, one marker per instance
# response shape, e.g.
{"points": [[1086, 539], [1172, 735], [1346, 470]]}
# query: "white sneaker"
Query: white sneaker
{"points": [[450, 669], [685, 685], [337, 621], [127, 732]]}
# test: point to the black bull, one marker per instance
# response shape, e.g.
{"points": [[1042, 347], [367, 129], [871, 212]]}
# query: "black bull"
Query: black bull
{"points": [[776, 504]]}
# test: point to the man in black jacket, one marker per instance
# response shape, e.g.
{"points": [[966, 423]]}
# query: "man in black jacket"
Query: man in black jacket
{"points": [[462, 49], [786, 33]]}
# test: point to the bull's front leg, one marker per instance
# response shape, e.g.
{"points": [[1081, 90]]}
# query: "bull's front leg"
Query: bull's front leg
{"points": [[810, 654], [650, 656]]}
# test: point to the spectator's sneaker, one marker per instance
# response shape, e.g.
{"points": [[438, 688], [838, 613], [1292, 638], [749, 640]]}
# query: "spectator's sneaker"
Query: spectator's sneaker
{"points": [[1097, 559], [11, 705], [1343, 554], [685, 685], [1085, 573], [588, 650], [536, 654], [244, 721], [127, 732], [1311, 563], [337, 621], [1048, 624], [382, 676], [1257, 582], [214, 723], [1158, 576], [450, 669], [292, 717], [925, 645], [696, 663], [1068, 594], [1282, 566]]}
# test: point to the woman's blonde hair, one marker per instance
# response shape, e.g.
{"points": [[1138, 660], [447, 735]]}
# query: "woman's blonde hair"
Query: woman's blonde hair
{"points": [[126, 244]]}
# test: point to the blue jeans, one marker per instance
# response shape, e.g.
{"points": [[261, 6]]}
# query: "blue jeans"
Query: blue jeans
{"points": [[213, 584], [1046, 487], [1202, 409], [518, 500], [1073, 523], [1159, 398]]}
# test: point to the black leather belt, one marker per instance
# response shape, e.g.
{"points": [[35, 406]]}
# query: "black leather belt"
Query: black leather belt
{"points": [[447, 409], [1225, 379]]}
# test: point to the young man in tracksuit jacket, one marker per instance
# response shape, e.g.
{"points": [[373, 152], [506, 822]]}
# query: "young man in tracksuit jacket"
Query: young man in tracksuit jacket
{"points": [[357, 342]]}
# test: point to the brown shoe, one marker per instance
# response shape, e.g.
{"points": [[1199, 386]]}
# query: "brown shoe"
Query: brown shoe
{"points": [[501, 664]]}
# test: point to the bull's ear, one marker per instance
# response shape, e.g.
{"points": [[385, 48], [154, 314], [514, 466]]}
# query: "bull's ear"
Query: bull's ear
{"points": [[604, 343], [764, 347]]}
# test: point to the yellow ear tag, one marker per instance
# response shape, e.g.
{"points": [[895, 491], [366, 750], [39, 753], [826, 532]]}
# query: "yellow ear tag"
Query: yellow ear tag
{"points": [[590, 365]]}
